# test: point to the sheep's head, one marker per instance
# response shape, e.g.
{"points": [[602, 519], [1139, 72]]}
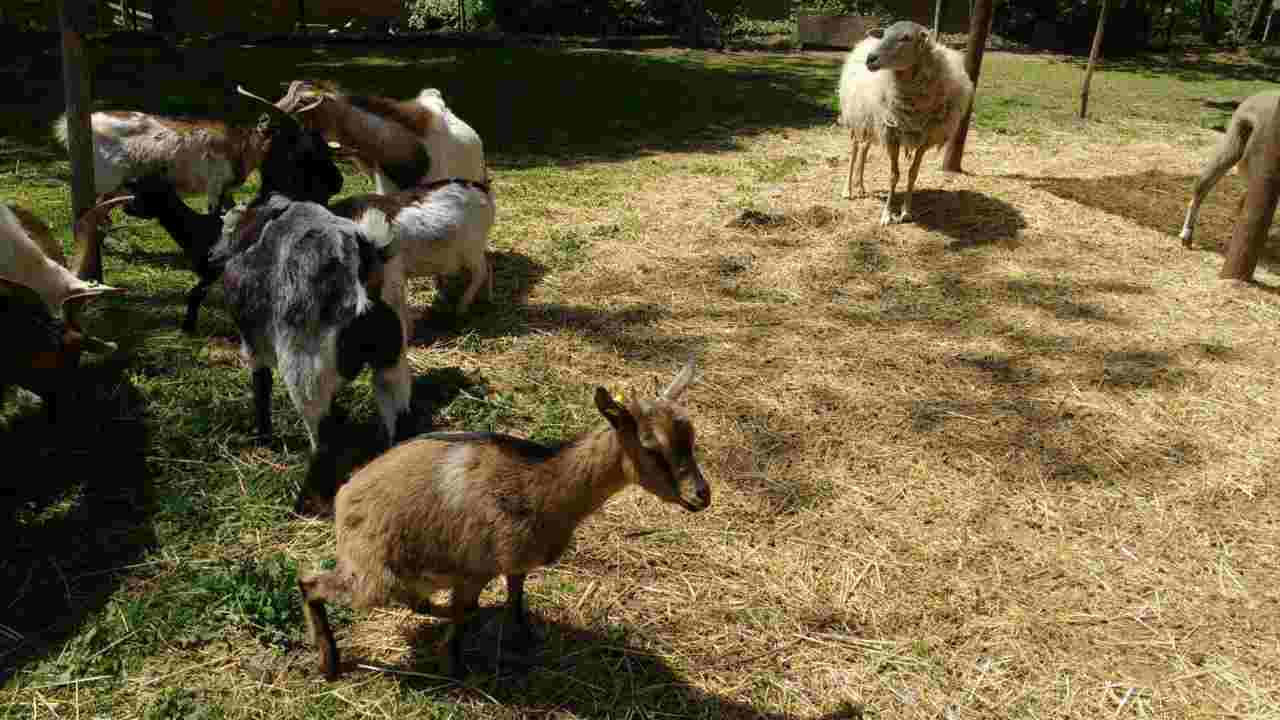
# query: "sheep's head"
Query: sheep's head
{"points": [[900, 46], [298, 162], [657, 443]]}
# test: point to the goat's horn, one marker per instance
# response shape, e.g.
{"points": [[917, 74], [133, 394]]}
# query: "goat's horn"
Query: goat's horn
{"points": [[681, 383], [312, 106], [96, 214], [73, 303], [240, 89]]}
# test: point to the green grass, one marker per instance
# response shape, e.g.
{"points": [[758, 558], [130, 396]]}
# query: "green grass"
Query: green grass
{"points": [[152, 555]]}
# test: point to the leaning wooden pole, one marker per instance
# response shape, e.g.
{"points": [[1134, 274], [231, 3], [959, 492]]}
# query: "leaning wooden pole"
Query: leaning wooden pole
{"points": [[1251, 227], [1093, 58], [979, 29], [87, 262]]}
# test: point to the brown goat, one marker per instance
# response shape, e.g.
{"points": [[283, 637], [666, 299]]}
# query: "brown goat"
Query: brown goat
{"points": [[455, 510]]}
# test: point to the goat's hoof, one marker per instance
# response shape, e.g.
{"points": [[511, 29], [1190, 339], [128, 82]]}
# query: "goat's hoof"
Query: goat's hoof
{"points": [[1186, 241]]}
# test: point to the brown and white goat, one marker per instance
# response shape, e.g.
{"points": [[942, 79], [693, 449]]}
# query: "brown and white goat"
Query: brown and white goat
{"points": [[1241, 144], [400, 143], [455, 510], [41, 303]]}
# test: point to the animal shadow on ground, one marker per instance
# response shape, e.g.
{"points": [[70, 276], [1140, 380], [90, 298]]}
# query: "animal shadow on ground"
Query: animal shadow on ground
{"points": [[569, 669], [1158, 200], [515, 275], [75, 506], [969, 218]]}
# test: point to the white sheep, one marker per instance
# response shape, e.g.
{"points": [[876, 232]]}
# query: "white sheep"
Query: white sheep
{"points": [[901, 88]]}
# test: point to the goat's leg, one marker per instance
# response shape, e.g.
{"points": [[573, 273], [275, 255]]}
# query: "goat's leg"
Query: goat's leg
{"points": [[466, 594], [315, 590], [892, 148], [916, 155], [392, 388], [320, 486], [194, 299], [517, 612], [1226, 155], [479, 275]]}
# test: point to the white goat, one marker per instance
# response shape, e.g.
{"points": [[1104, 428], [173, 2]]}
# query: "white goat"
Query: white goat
{"points": [[399, 143], [439, 228], [901, 88], [1234, 150]]}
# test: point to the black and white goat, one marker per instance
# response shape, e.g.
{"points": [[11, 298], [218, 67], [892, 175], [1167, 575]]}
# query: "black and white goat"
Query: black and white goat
{"points": [[311, 293]]}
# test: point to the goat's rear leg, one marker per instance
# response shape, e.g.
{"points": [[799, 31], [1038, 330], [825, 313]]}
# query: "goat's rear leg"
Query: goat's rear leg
{"points": [[466, 595], [479, 277], [1225, 156], [393, 389]]}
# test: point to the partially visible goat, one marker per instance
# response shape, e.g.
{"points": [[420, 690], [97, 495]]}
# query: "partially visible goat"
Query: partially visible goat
{"points": [[1234, 150], [901, 89], [399, 143], [41, 303], [455, 510], [199, 156], [313, 294], [440, 229], [156, 199]]}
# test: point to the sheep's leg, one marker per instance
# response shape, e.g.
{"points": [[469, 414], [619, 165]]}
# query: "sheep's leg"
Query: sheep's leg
{"points": [[1227, 154], [392, 388], [916, 155], [518, 613], [315, 590], [893, 147], [862, 165], [853, 155], [466, 594], [194, 299]]}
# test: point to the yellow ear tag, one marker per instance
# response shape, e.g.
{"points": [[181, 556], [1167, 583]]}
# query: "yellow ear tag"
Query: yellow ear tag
{"points": [[618, 398]]}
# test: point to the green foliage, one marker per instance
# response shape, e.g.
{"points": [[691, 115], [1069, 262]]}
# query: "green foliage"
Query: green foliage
{"points": [[443, 14], [262, 597]]}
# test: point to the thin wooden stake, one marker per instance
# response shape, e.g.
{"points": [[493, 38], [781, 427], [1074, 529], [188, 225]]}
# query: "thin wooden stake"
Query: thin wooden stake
{"points": [[1093, 58], [979, 29], [75, 81]]}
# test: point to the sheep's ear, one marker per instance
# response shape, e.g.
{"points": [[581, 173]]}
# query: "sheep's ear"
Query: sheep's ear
{"points": [[617, 414]]}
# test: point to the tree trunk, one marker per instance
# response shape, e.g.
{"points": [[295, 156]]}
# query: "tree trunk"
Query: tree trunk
{"points": [[1260, 11], [1208, 22], [979, 29], [1093, 58], [87, 260], [1251, 227]]}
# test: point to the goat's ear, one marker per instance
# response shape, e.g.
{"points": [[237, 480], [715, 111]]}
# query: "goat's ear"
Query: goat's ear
{"points": [[878, 33], [681, 383], [617, 414]]}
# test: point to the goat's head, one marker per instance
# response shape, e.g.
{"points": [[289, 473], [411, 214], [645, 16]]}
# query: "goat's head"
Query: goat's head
{"points": [[298, 162], [657, 443], [900, 46], [314, 103]]}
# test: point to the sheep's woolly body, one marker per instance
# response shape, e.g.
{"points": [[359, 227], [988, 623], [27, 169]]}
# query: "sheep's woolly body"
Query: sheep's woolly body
{"points": [[923, 111]]}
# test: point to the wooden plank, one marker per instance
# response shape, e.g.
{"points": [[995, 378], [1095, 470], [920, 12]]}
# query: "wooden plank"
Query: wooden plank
{"points": [[841, 31], [72, 16]]}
